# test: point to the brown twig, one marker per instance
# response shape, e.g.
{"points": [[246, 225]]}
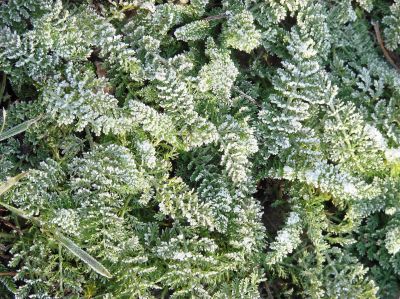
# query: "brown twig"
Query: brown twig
{"points": [[246, 96], [8, 273], [382, 45], [101, 72], [217, 17]]}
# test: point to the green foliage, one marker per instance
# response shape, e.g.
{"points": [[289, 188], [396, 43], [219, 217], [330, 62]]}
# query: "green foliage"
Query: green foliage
{"points": [[392, 32], [219, 74], [199, 149], [240, 32]]}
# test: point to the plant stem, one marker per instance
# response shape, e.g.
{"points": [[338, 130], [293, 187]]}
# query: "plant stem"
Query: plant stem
{"points": [[382, 45], [61, 268]]}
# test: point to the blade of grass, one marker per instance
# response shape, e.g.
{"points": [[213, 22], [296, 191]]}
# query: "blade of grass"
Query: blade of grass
{"points": [[82, 255], [66, 242], [4, 120], [18, 129], [19, 212], [7, 185], [11, 182]]}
